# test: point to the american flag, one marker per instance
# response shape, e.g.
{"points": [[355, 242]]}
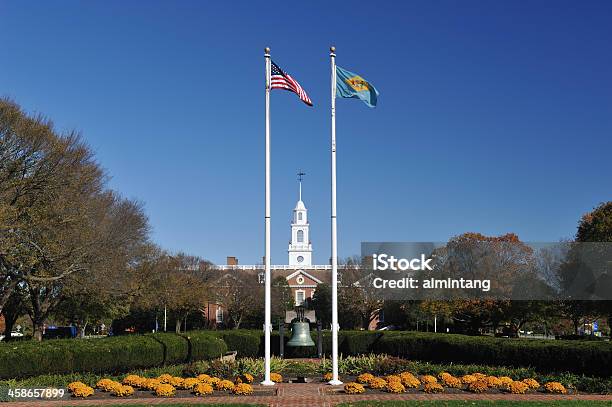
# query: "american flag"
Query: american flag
{"points": [[282, 80]]}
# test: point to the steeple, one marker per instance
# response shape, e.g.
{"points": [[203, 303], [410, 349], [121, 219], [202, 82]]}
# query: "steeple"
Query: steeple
{"points": [[300, 249]]}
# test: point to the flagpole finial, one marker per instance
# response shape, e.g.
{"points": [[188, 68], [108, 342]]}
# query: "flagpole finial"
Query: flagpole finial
{"points": [[267, 50], [332, 48]]}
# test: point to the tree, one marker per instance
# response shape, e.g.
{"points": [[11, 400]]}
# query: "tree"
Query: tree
{"points": [[436, 309], [35, 167], [12, 310], [187, 288], [321, 304], [175, 283], [97, 249], [240, 294], [588, 263], [282, 300], [57, 219], [596, 226], [474, 256], [359, 301]]}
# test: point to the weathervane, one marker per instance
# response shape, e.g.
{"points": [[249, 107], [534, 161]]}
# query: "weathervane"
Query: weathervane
{"points": [[300, 175]]}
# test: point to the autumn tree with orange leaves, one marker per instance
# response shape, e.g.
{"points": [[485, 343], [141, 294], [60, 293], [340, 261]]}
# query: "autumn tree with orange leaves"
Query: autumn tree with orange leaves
{"points": [[504, 260]]}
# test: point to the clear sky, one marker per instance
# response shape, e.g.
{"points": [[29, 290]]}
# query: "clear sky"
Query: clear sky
{"points": [[493, 116]]}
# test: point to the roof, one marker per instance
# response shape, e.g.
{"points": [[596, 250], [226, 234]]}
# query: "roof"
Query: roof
{"points": [[310, 276]]}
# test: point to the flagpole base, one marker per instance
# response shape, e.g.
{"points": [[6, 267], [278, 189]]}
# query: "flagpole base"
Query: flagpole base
{"points": [[267, 383], [334, 382]]}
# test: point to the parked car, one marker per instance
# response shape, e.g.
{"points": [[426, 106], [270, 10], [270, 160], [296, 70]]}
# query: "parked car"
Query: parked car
{"points": [[13, 335], [56, 332]]}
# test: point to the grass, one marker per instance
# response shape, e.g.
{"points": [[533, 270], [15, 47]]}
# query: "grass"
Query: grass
{"points": [[483, 403]]}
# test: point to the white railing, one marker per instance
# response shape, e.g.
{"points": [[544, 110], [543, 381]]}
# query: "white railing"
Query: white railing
{"points": [[273, 267]]}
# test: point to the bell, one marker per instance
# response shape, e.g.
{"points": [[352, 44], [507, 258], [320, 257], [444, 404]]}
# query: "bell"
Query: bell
{"points": [[300, 329], [300, 335]]}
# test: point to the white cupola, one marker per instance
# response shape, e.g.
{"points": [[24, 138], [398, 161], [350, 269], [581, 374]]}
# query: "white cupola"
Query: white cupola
{"points": [[300, 249]]}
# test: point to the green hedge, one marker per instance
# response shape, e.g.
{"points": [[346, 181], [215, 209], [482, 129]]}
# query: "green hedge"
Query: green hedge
{"points": [[176, 347], [106, 355], [119, 354], [204, 345], [581, 357], [71, 355], [358, 343], [245, 342]]}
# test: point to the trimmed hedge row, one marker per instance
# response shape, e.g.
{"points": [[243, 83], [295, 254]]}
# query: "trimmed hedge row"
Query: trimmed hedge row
{"points": [[175, 347], [204, 346], [114, 354], [118, 354], [245, 342], [580, 357]]}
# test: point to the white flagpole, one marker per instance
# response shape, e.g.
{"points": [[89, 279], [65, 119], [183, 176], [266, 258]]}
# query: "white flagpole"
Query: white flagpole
{"points": [[268, 278], [334, 235]]}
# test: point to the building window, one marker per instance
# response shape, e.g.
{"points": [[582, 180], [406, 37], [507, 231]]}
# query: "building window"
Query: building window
{"points": [[300, 296], [219, 315], [299, 215], [300, 236]]}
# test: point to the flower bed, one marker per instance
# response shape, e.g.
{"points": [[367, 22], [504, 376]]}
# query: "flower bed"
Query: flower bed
{"points": [[374, 373], [167, 385], [474, 383], [203, 385]]}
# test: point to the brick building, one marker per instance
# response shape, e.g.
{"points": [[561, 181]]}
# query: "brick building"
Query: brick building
{"points": [[302, 276]]}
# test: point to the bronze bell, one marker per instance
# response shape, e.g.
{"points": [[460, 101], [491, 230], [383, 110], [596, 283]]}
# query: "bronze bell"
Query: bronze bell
{"points": [[300, 330], [300, 335]]}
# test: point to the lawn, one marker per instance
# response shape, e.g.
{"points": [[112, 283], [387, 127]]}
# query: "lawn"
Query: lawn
{"points": [[456, 403]]}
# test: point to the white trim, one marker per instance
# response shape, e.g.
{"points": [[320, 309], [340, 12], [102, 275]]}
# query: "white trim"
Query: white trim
{"points": [[313, 278], [275, 267], [219, 312], [296, 297]]}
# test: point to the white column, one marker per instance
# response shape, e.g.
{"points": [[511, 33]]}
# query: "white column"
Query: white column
{"points": [[334, 235], [268, 299]]}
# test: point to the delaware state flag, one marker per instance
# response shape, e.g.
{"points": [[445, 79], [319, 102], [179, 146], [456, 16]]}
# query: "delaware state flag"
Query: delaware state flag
{"points": [[350, 85]]}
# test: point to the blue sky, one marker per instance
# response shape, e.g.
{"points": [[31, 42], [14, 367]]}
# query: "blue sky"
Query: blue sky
{"points": [[493, 117]]}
